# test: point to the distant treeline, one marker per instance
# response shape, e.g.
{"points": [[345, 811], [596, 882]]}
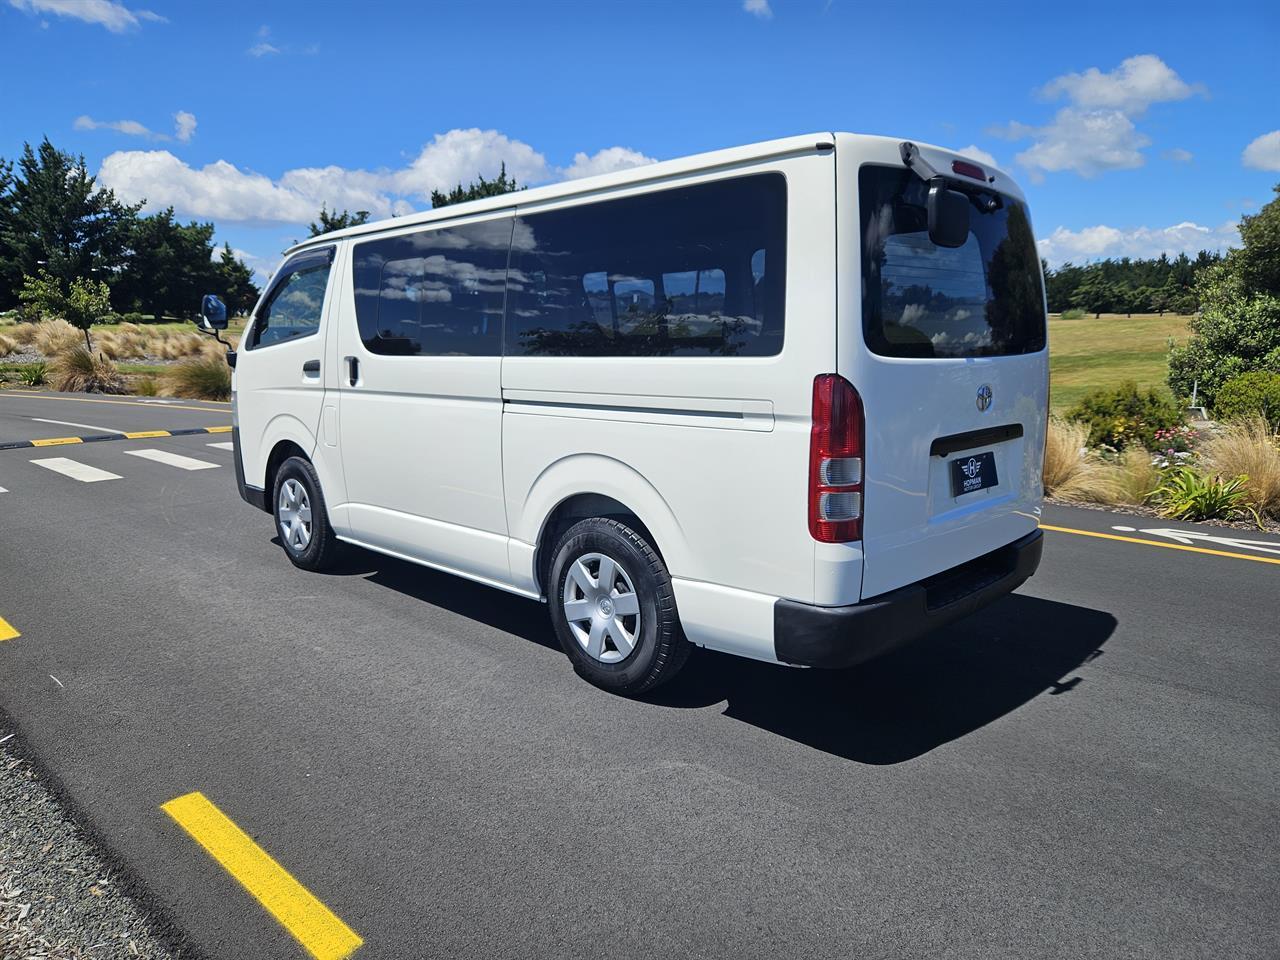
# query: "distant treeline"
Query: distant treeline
{"points": [[1128, 286], [57, 227]]}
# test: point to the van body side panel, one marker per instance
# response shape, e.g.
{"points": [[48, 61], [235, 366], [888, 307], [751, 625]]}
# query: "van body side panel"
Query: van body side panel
{"points": [[711, 452], [914, 525], [420, 433]]}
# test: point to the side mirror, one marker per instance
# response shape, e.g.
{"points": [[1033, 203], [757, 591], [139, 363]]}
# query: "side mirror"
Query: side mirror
{"points": [[948, 215], [213, 312]]}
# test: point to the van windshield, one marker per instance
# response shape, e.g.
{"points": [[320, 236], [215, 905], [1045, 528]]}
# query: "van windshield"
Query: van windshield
{"points": [[984, 298]]}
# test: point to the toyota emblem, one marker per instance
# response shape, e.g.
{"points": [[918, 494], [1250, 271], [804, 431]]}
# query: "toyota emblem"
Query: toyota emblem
{"points": [[984, 396]]}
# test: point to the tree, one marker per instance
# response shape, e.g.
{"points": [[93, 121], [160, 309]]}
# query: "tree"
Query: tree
{"points": [[82, 303], [1238, 328], [1094, 293], [169, 267], [234, 281], [59, 219], [337, 221], [476, 190]]}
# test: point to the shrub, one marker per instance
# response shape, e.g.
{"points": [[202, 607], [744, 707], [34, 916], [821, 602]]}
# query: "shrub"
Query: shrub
{"points": [[1075, 313], [34, 374], [1136, 475], [1186, 495], [146, 387], [1250, 395], [1073, 472], [54, 337], [133, 317], [1125, 415], [80, 370], [204, 378], [1247, 448], [7, 346]]}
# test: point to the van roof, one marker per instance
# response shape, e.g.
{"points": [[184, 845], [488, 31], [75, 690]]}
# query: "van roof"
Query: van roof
{"points": [[588, 185]]}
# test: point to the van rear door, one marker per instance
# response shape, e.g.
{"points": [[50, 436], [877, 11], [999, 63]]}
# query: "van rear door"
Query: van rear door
{"points": [[948, 352]]}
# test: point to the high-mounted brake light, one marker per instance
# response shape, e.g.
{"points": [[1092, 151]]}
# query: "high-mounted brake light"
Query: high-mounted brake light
{"points": [[966, 169], [835, 461]]}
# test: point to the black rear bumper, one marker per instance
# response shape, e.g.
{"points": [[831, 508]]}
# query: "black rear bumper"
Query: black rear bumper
{"points": [[815, 636]]}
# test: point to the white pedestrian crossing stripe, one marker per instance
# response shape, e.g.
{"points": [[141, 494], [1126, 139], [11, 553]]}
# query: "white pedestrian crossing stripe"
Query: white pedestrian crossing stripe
{"points": [[172, 459], [222, 445], [75, 470]]}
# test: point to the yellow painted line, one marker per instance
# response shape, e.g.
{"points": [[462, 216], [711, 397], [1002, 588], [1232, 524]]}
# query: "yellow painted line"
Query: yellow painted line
{"points": [[122, 403], [55, 441], [310, 922], [7, 631], [217, 429], [1156, 543], [144, 434]]}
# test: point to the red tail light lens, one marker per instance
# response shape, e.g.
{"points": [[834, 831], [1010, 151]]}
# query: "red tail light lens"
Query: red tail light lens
{"points": [[966, 169], [835, 461]]}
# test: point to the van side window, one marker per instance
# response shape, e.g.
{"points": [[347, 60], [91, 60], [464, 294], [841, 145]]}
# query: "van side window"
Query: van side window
{"points": [[677, 272], [294, 306], [435, 292]]}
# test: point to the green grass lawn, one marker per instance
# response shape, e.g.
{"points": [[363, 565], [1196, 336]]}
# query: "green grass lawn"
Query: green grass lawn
{"points": [[1087, 354]]}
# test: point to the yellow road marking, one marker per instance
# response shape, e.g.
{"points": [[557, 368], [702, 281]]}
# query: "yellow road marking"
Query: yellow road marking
{"points": [[7, 631], [1156, 543], [122, 403], [144, 434], [310, 922], [55, 441], [217, 429]]}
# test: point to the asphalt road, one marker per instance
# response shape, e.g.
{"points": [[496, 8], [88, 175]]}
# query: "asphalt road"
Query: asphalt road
{"points": [[1089, 768]]}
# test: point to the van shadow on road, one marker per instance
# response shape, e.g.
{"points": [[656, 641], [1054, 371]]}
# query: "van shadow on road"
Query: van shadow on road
{"points": [[888, 711]]}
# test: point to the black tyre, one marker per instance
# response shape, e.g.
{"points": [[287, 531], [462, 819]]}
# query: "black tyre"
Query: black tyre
{"points": [[614, 609], [302, 520]]}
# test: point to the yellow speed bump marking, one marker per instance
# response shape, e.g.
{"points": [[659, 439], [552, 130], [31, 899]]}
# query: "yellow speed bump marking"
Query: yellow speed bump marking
{"points": [[310, 922], [55, 441], [145, 434], [217, 429], [7, 632], [1156, 543]]}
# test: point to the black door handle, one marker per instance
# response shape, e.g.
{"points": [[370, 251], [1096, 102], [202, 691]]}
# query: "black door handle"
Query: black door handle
{"points": [[311, 366], [353, 370]]}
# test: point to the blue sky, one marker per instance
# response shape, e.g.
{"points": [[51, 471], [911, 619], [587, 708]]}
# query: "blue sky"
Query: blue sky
{"points": [[1134, 128]]}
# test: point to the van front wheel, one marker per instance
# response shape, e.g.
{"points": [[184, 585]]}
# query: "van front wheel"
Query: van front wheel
{"points": [[614, 609], [302, 521]]}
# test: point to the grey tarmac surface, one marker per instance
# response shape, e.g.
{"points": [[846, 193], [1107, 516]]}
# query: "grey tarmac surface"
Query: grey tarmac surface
{"points": [[1088, 768], [40, 414]]}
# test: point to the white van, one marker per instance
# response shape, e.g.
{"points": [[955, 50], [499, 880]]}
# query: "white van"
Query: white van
{"points": [[786, 400]]}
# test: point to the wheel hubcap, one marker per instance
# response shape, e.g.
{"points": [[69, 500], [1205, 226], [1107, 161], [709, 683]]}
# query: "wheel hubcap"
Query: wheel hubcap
{"points": [[294, 511], [602, 608]]}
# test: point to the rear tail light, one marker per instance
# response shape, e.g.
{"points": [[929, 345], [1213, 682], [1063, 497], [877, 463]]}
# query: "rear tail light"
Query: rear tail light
{"points": [[966, 169], [835, 461]]}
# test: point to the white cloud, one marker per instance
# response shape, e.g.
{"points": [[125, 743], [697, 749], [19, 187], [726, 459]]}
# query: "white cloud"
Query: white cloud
{"points": [[224, 192], [1088, 142], [184, 126], [760, 8], [262, 49], [218, 190], [116, 17], [130, 128], [977, 153], [1264, 152], [1178, 155], [1105, 241], [1130, 88], [1095, 132], [605, 161], [460, 155]]}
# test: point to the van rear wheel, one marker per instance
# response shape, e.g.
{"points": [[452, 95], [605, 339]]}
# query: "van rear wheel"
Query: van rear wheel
{"points": [[614, 608], [302, 521]]}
